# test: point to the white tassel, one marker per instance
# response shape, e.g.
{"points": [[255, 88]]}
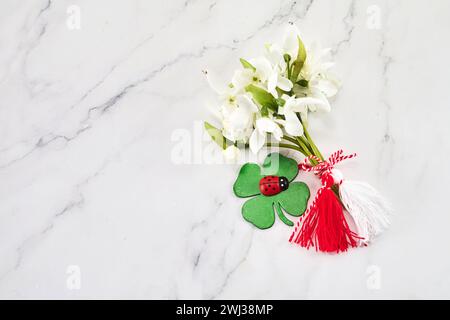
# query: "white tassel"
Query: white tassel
{"points": [[369, 210]]}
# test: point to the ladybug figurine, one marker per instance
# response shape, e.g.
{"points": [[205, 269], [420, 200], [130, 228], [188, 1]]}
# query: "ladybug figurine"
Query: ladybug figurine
{"points": [[272, 185]]}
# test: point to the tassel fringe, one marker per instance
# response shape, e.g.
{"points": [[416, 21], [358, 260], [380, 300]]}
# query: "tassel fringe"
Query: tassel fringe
{"points": [[324, 226], [369, 210]]}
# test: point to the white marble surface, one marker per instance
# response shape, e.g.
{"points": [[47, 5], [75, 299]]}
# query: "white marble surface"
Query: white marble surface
{"points": [[89, 186]]}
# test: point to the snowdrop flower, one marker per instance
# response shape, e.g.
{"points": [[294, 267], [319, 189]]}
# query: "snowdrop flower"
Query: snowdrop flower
{"points": [[257, 76], [228, 98], [316, 82], [277, 78], [236, 112], [292, 106], [317, 71], [290, 41], [265, 74], [227, 94], [237, 118], [275, 55], [292, 124], [251, 106], [259, 135]]}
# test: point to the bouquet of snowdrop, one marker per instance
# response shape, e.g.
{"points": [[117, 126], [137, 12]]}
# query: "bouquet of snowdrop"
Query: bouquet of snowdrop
{"points": [[267, 104], [272, 95]]}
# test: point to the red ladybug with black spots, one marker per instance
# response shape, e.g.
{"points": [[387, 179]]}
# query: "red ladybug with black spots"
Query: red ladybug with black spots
{"points": [[272, 185]]}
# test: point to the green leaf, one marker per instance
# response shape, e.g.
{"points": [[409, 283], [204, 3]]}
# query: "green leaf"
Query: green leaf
{"points": [[216, 135], [247, 182], [295, 199], [281, 92], [264, 112], [281, 102], [300, 61], [278, 165], [247, 64], [259, 212], [264, 98]]}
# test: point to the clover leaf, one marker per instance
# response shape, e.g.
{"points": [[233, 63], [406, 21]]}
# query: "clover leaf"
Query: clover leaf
{"points": [[260, 210]]}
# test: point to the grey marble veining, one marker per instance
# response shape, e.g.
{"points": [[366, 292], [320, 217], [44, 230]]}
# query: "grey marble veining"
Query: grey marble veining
{"points": [[94, 205]]}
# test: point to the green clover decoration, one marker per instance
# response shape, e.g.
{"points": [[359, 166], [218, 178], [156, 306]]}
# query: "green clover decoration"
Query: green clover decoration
{"points": [[259, 210]]}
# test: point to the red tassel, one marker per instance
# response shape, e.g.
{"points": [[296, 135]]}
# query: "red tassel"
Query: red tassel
{"points": [[324, 226]]}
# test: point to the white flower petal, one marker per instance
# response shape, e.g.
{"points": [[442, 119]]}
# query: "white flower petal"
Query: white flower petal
{"points": [[237, 121], [228, 134], [284, 83], [280, 121], [324, 105], [214, 82], [275, 55], [304, 116], [293, 125], [263, 68], [285, 97], [226, 110], [277, 132], [266, 125], [241, 78], [272, 84], [257, 141], [300, 104], [290, 43], [328, 87], [245, 102]]}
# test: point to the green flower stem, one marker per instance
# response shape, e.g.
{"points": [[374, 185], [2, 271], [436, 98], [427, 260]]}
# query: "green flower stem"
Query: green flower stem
{"points": [[285, 145], [303, 146], [295, 141], [288, 68], [301, 143], [315, 150], [288, 138], [306, 142]]}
